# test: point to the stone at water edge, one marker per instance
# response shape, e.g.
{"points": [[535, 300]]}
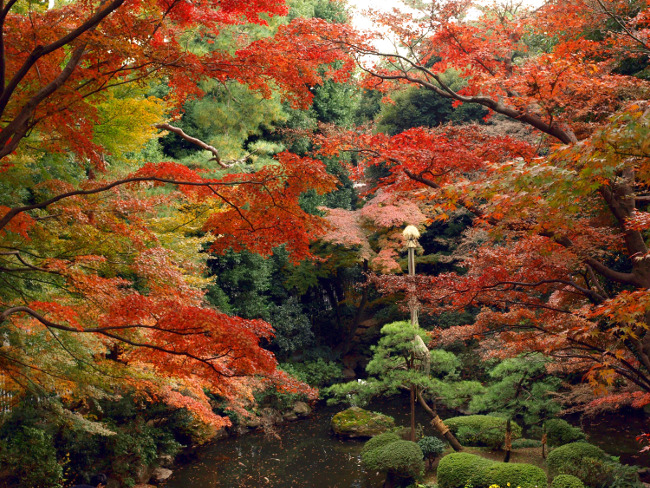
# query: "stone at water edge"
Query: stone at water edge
{"points": [[160, 475], [301, 409], [357, 422]]}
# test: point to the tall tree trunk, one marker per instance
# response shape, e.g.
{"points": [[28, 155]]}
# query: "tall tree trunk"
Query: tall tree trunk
{"points": [[508, 441], [438, 424], [412, 435]]}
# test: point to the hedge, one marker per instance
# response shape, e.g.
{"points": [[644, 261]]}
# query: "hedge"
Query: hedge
{"points": [[593, 466], [515, 474], [460, 469], [387, 453]]}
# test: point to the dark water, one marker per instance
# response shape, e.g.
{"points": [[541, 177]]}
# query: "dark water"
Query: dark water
{"points": [[307, 456], [616, 434]]}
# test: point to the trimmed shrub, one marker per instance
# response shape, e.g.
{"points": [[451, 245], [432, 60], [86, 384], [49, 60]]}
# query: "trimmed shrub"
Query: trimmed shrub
{"points": [[517, 474], [460, 469], [400, 458], [591, 465], [567, 481], [379, 441], [560, 432], [525, 443], [481, 430], [432, 447]]}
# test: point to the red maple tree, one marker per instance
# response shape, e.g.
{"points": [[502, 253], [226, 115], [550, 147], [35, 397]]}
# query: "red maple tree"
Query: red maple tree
{"points": [[115, 302], [557, 258]]}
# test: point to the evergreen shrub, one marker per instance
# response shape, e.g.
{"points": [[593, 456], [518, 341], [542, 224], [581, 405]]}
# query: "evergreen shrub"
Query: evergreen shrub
{"points": [[397, 457], [567, 481], [379, 441], [432, 447], [481, 430], [591, 465], [461, 469], [516, 474], [525, 443], [28, 459], [318, 373], [560, 432]]}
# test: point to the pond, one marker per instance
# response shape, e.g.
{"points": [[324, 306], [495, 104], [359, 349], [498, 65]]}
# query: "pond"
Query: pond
{"points": [[307, 455], [304, 455]]}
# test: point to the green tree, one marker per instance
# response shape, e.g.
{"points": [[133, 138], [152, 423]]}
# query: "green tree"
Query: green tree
{"points": [[520, 391], [396, 366]]}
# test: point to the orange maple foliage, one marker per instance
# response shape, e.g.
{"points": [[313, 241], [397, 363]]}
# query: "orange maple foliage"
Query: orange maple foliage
{"points": [[119, 306], [557, 261]]}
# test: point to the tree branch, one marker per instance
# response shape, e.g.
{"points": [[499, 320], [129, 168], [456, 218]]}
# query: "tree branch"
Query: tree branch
{"points": [[13, 133], [40, 51], [106, 332], [18, 210], [565, 135]]}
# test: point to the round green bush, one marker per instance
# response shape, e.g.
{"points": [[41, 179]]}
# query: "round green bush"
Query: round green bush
{"points": [[567, 481], [481, 430], [379, 441], [517, 474], [560, 432], [459, 469], [585, 461], [432, 447], [401, 458]]}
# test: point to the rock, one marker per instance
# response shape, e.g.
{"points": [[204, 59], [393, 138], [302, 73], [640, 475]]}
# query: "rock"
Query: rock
{"points": [[271, 416], [253, 422], [222, 433], [302, 409], [160, 475], [357, 422], [290, 416], [239, 429], [166, 460]]}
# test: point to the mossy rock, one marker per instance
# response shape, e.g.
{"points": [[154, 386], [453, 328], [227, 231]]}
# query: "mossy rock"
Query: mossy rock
{"points": [[461, 469], [357, 422]]}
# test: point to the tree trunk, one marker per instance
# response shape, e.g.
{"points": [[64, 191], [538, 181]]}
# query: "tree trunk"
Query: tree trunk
{"points": [[412, 435], [508, 441], [439, 425], [391, 480]]}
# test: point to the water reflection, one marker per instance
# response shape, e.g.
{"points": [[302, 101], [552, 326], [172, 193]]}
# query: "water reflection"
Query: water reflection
{"points": [[303, 455]]}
